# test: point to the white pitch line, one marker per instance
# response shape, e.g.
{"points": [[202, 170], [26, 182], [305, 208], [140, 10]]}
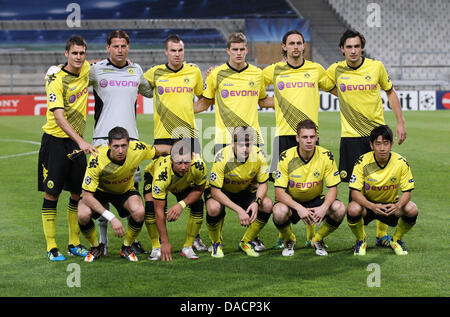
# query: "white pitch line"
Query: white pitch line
{"points": [[17, 155], [20, 154]]}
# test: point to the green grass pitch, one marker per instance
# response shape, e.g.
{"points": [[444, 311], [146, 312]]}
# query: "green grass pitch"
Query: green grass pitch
{"points": [[26, 272]]}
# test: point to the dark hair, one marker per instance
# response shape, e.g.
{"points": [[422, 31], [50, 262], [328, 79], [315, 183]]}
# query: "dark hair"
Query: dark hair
{"points": [[384, 131], [172, 38], [243, 133], [236, 38], [120, 34], [75, 40], [306, 124], [349, 34], [118, 133], [181, 147], [286, 36]]}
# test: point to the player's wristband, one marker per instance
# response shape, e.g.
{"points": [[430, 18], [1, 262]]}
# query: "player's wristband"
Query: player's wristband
{"points": [[258, 200], [182, 203], [108, 215]]}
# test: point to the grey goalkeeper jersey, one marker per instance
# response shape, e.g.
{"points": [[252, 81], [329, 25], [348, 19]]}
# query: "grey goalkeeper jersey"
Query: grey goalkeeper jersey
{"points": [[115, 91]]}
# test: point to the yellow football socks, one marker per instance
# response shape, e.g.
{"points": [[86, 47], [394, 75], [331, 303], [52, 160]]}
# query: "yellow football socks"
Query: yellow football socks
{"points": [[381, 229], [193, 226], [402, 228], [72, 220], [357, 228], [48, 215], [150, 224], [253, 230], [89, 233]]}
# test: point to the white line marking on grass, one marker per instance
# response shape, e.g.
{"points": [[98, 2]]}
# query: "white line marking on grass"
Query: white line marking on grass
{"points": [[20, 154]]}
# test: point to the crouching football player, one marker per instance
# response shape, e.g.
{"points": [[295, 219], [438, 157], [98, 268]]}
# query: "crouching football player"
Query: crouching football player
{"points": [[377, 177]]}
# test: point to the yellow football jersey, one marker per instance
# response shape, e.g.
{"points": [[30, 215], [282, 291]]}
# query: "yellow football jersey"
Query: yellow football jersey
{"points": [[104, 175], [173, 100], [236, 95], [69, 92], [380, 184], [360, 101], [233, 176], [166, 180], [303, 180], [296, 93]]}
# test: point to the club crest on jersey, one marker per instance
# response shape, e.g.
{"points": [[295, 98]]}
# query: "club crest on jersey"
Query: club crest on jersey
{"points": [[316, 174]]}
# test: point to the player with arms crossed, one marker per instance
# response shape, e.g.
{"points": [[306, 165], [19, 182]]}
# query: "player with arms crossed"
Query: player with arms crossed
{"points": [[234, 170], [374, 184], [67, 93], [299, 180], [359, 81], [109, 179], [176, 84], [183, 173], [296, 83]]}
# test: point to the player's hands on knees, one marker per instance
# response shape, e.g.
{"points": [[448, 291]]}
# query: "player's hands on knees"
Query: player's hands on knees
{"points": [[244, 218], [392, 209], [380, 209], [306, 215], [174, 212], [166, 251], [119, 230], [318, 213]]}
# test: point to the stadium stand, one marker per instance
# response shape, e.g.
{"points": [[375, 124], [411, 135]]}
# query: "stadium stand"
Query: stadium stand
{"points": [[411, 38]]}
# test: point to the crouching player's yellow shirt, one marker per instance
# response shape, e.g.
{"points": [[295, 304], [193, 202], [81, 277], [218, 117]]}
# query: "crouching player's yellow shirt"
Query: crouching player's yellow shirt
{"points": [[303, 180], [105, 175], [233, 176], [166, 180], [380, 184]]}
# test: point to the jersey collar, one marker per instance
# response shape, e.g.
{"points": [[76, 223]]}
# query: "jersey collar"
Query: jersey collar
{"points": [[355, 68], [111, 63], [303, 160], [70, 73], [175, 71], [387, 162], [296, 67], [108, 153], [239, 71]]}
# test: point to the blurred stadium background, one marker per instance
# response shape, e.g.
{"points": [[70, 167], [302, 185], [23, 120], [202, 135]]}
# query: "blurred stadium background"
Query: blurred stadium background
{"points": [[411, 37]]}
